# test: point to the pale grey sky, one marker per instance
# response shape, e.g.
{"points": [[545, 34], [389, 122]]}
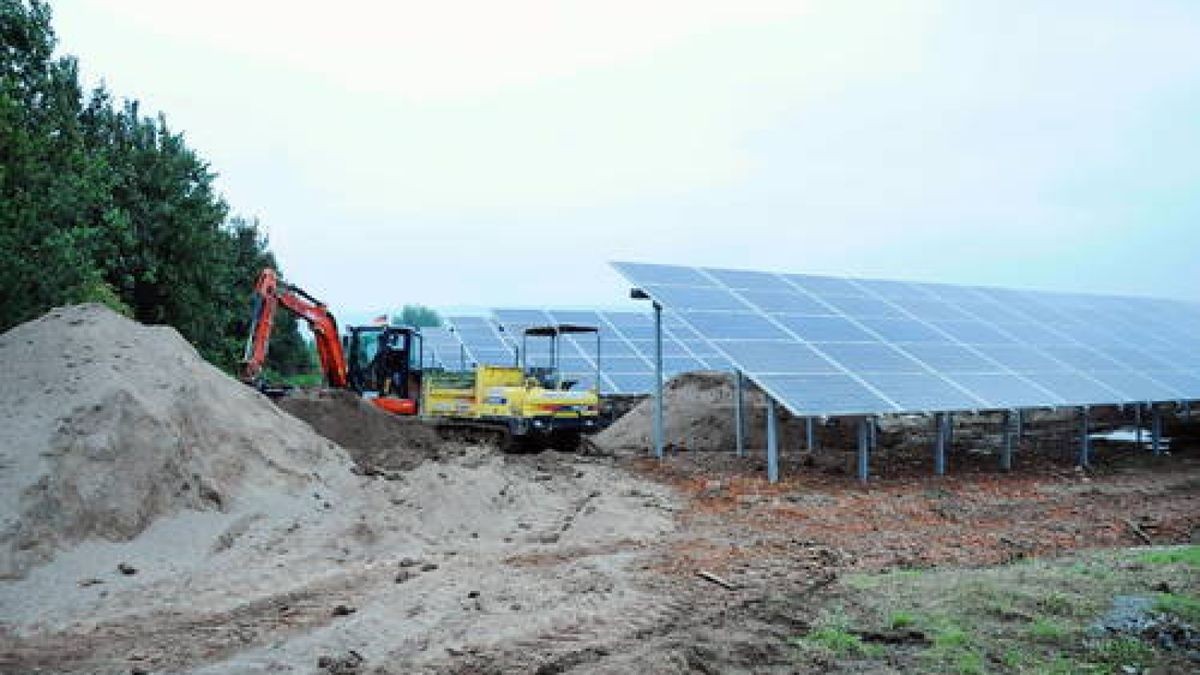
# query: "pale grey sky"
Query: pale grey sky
{"points": [[481, 153]]}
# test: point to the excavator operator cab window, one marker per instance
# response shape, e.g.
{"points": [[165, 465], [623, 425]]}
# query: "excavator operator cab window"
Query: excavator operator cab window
{"points": [[368, 347], [400, 341]]}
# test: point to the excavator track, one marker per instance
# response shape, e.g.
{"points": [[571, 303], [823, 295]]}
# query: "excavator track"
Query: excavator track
{"points": [[483, 433], [499, 436]]}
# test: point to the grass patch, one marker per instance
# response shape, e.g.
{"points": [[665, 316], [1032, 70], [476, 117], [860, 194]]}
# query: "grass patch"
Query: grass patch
{"points": [[1018, 618], [832, 635], [1185, 607], [900, 620], [304, 379], [951, 637], [954, 650], [1047, 630], [1013, 658], [1189, 555], [1113, 654], [841, 642]]}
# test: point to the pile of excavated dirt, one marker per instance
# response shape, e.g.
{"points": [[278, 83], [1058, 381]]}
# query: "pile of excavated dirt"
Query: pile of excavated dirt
{"points": [[109, 425], [374, 438], [698, 415]]}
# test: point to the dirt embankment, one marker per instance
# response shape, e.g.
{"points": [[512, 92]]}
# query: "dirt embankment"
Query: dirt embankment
{"points": [[109, 425], [160, 516], [374, 438], [699, 416]]}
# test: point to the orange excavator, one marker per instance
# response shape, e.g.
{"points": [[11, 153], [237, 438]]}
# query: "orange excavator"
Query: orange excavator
{"points": [[384, 367]]}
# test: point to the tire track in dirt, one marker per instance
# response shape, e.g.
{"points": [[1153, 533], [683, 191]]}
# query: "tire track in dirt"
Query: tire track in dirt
{"points": [[173, 640]]}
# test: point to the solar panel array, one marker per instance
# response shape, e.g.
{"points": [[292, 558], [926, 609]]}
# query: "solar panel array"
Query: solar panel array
{"points": [[626, 346], [481, 340], [442, 349], [827, 345]]}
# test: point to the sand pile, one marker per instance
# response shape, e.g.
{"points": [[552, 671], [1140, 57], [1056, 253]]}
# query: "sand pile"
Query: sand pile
{"points": [[108, 425], [698, 415], [374, 438]]}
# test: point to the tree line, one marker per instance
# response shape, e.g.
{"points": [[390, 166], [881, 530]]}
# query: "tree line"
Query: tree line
{"points": [[101, 203]]}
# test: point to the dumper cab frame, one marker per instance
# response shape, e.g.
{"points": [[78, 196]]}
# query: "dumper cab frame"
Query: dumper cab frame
{"points": [[550, 376]]}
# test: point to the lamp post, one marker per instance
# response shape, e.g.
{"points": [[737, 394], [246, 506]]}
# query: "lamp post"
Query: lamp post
{"points": [[639, 294]]}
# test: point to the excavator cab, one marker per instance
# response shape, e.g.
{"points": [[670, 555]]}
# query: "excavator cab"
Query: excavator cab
{"points": [[384, 365], [548, 374]]}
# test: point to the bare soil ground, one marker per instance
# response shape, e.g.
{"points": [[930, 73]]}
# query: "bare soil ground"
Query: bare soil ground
{"points": [[562, 563], [252, 544]]}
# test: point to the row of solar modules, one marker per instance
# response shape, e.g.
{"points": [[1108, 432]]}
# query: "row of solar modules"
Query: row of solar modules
{"points": [[441, 349], [625, 346], [828, 345]]}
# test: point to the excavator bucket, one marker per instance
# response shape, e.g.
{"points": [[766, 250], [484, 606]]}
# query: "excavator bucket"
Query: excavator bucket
{"points": [[396, 406]]}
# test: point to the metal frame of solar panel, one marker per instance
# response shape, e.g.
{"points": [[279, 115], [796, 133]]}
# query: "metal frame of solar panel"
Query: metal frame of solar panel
{"points": [[832, 346], [626, 346]]}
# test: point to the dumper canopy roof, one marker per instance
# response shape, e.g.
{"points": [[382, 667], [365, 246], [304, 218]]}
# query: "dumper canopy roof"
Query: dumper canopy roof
{"points": [[560, 329]]}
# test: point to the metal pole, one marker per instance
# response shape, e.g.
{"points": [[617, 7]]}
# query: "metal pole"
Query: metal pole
{"points": [[1020, 425], [1137, 423], [872, 438], [1156, 430], [1006, 455], [1085, 440], [950, 431], [863, 452], [739, 414], [658, 382], [597, 361], [772, 443], [939, 446], [810, 434]]}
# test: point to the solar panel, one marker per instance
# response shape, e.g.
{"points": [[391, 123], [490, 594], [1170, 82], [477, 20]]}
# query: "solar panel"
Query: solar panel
{"points": [[442, 349], [831, 345], [626, 346], [481, 340]]}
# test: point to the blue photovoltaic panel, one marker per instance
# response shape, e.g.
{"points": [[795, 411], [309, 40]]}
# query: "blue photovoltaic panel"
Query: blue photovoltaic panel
{"points": [[626, 345], [831, 345], [441, 349], [481, 340]]}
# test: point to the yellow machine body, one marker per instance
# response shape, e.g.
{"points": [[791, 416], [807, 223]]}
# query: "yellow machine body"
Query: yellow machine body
{"points": [[504, 396]]}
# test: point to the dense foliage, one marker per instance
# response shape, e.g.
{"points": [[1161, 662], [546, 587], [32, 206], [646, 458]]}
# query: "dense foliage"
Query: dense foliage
{"points": [[101, 203], [418, 315]]}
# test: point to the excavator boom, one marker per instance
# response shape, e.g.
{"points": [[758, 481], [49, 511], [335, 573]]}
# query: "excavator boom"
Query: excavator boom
{"points": [[269, 292]]}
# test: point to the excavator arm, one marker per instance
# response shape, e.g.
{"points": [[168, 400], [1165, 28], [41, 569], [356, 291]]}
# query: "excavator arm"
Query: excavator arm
{"points": [[269, 292]]}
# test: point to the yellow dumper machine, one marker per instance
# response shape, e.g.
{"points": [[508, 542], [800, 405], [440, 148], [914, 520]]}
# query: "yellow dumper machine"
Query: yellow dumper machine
{"points": [[516, 407]]}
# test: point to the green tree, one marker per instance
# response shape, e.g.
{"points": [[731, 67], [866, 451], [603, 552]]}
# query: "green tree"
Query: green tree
{"points": [[49, 183], [420, 316], [101, 203]]}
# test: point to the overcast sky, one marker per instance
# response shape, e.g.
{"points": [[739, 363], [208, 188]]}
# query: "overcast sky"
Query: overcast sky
{"points": [[500, 153]]}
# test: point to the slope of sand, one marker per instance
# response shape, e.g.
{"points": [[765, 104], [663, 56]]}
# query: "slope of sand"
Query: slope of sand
{"points": [[109, 425], [161, 516], [699, 416]]}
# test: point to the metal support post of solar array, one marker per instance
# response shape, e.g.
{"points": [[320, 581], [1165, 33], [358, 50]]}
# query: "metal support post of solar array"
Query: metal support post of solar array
{"points": [[824, 346]]}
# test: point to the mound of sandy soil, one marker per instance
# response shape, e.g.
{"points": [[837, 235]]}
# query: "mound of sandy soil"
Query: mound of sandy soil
{"points": [[374, 438], [698, 415], [108, 425]]}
